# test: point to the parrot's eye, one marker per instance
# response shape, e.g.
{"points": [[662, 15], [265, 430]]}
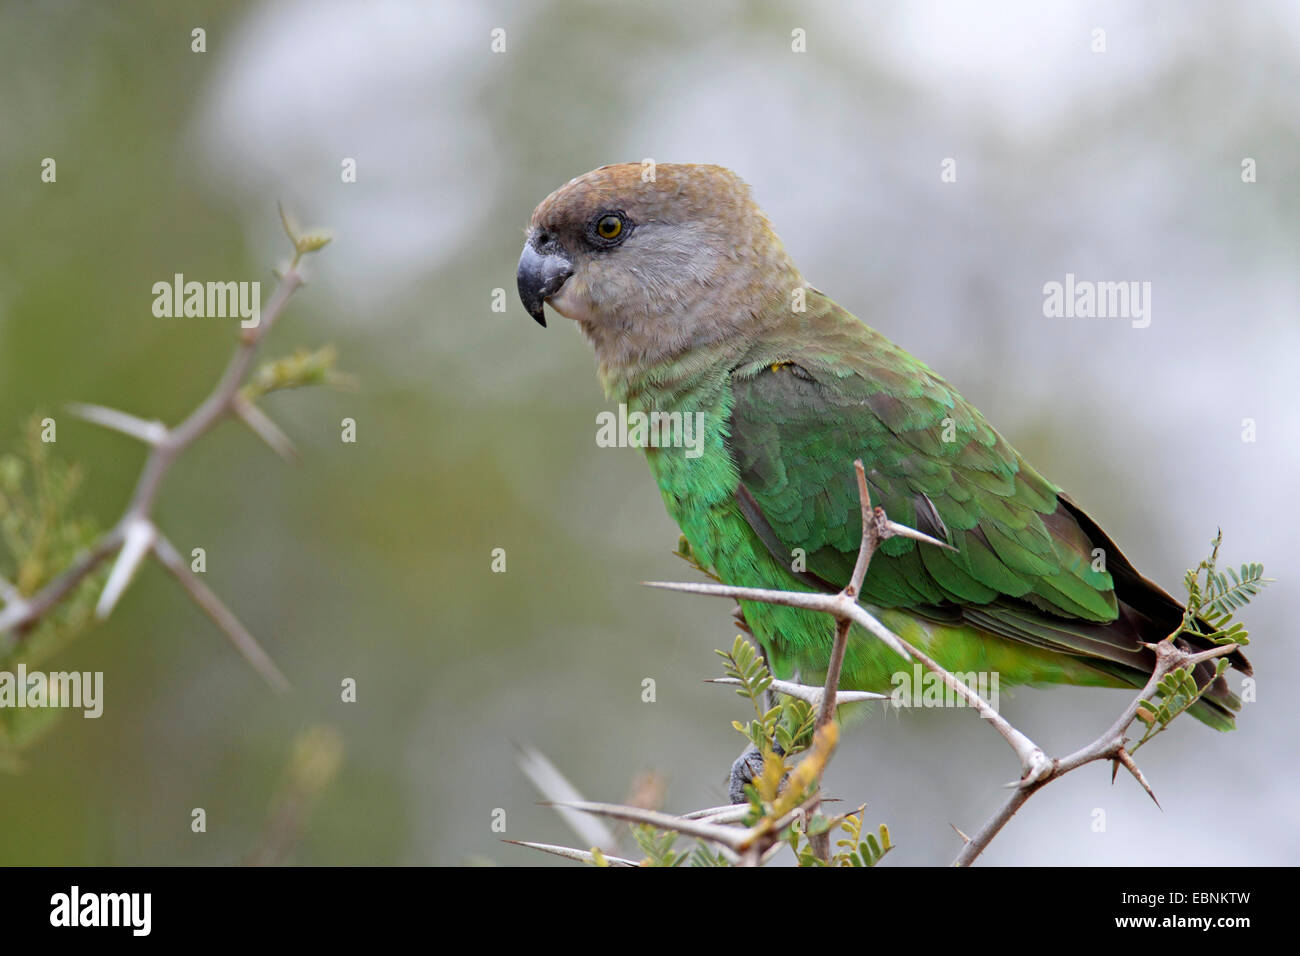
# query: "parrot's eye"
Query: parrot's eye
{"points": [[609, 227]]}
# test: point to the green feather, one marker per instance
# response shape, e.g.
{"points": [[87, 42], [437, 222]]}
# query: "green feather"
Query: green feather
{"points": [[1019, 595]]}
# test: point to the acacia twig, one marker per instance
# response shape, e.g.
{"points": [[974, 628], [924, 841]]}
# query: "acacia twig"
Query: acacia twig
{"points": [[808, 693], [875, 528], [1037, 769], [134, 535], [1033, 761], [755, 845], [1109, 746]]}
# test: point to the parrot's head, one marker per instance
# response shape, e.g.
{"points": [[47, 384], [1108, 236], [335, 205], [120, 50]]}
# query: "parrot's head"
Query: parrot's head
{"points": [[652, 260]]}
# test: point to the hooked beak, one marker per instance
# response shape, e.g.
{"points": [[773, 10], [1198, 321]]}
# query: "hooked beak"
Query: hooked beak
{"points": [[541, 273]]}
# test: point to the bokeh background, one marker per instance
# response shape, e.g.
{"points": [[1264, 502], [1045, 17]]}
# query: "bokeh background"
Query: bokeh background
{"points": [[476, 429]]}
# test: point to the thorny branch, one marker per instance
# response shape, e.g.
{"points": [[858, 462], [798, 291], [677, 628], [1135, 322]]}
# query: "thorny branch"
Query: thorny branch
{"points": [[875, 528], [1109, 746], [755, 845], [134, 536]]}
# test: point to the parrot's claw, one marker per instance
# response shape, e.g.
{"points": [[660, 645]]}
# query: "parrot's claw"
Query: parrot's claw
{"points": [[746, 767]]}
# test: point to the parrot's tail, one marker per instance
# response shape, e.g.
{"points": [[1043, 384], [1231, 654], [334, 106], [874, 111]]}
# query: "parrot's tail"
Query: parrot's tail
{"points": [[1154, 614]]}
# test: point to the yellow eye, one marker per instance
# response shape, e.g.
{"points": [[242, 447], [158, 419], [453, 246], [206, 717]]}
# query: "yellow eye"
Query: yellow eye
{"points": [[609, 227]]}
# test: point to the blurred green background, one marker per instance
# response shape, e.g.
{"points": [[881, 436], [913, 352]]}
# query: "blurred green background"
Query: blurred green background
{"points": [[476, 430]]}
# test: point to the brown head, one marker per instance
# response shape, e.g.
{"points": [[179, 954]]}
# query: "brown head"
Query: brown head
{"points": [[652, 261]]}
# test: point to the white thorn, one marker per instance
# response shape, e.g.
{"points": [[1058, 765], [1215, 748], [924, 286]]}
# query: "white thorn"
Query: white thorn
{"points": [[569, 853], [807, 692], [729, 837], [903, 531], [137, 538], [556, 788], [265, 428], [149, 432], [731, 813]]}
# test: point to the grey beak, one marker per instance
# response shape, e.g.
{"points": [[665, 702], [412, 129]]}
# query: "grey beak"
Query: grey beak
{"points": [[540, 276]]}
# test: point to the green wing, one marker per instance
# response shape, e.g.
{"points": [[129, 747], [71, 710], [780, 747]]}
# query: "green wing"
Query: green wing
{"points": [[1025, 565]]}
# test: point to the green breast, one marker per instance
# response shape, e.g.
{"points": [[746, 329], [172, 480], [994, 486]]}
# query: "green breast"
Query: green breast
{"points": [[695, 472], [699, 493]]}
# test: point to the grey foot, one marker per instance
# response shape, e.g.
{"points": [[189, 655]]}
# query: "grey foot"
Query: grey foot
{"points": [[747, 766]]}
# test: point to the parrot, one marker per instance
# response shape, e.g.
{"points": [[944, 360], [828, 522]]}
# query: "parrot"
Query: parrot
{"points": [[696, 311]]}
